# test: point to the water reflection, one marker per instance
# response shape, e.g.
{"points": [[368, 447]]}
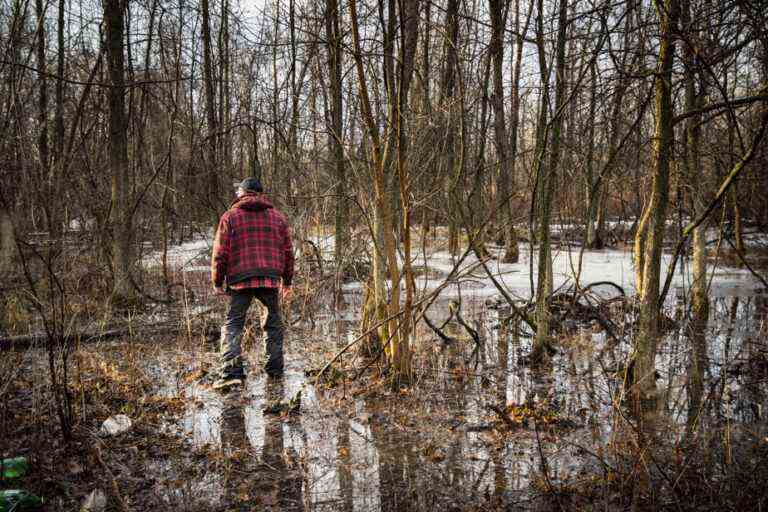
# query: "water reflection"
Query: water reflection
{"points": [[323, 460], [203, 415]]}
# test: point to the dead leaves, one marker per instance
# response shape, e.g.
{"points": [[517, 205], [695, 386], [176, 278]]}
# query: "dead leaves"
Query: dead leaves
{"points": [[544, 414]]}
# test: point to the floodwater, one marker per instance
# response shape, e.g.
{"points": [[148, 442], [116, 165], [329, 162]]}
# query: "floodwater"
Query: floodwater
{"points": [[440, 444]]}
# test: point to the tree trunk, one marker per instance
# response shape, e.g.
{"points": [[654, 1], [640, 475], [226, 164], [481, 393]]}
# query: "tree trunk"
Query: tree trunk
{"points": [[385, 258], [46, 192], [547, 179], [476, 211], [695, 174], [294, 124], [409, 13], [122, 231], [225, 95], [655, 216], [335, 130], [513, 251], [210, 111], [448, 103], [502, 212], [592, 191], [7, 241]]}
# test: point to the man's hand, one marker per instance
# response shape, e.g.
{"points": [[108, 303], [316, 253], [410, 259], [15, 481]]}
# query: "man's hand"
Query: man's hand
{"points": [[285, 292], [218, 290]]}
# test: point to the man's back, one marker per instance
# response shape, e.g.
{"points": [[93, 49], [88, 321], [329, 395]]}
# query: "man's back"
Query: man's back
{"points": [[253, 246]]}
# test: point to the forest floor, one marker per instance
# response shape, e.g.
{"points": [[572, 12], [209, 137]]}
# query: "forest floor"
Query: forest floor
{"points": [[477, 429]]}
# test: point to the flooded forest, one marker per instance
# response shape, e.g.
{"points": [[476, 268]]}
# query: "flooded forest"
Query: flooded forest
{"points": [[529, 239]]}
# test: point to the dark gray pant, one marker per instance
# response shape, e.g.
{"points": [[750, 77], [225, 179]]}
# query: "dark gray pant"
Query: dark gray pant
{"points": [[232, 331]]}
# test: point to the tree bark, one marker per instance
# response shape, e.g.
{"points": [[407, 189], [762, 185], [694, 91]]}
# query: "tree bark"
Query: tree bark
{"points": [[409, 13], [121, 221], [7, 241], [57, 178], [592, 240], [502, 205], [46, 191], [385, 259], [513, 251]]}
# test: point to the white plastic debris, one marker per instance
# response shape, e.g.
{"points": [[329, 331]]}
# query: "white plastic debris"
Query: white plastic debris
{"points": [[116, 425], [95, 502]]}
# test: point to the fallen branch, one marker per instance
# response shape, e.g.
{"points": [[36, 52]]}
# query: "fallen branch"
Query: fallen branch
{"points": [[426, 301], [24, 341], [519, 312]]}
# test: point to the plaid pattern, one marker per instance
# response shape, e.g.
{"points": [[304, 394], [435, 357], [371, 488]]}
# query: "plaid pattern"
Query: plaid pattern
{"points": [[252, 247]]}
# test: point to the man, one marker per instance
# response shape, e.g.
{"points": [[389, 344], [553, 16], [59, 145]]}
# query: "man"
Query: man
{"points": [[252, 253]]}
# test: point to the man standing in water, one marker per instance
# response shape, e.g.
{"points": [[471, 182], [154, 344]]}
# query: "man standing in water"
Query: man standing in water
{"points": [[252, 254]]}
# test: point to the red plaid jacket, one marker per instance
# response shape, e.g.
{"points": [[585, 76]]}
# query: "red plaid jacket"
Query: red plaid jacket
{"points": [[252, 247]]}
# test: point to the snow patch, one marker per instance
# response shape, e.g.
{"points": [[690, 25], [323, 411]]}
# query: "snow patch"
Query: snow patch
{"points": [[188, 256]]}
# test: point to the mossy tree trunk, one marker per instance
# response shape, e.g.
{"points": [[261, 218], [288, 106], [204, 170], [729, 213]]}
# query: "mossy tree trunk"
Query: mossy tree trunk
{"points": [[396, 331]]}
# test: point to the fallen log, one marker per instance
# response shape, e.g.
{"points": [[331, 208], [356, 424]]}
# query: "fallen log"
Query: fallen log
{"points": [[29, 340], [25, 341]]}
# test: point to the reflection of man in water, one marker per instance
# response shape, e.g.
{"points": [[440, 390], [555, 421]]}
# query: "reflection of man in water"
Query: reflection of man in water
{"points": [[270, 482], [253, 258]]}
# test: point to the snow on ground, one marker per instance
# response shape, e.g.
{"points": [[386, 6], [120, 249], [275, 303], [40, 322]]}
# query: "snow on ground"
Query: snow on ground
{"points": [[603, 265], [190, 256]]}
